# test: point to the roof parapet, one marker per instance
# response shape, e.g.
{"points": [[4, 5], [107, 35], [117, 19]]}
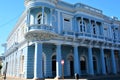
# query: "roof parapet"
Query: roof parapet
{"points": [[83, 6]]}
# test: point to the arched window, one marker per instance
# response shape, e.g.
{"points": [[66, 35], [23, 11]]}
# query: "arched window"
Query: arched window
{"points": [[39, 18]]}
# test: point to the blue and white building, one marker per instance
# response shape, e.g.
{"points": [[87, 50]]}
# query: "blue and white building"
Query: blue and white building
{"points": [[49, 31]]}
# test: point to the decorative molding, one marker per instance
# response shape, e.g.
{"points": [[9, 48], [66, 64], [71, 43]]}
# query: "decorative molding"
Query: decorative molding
{"points": [[40, 35]]}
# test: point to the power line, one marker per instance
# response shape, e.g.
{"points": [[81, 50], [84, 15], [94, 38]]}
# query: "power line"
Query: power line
{"points": [[11, 20]]}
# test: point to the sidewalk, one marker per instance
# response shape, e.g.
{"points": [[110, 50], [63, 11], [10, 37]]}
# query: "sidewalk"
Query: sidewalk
{"points": [[104, 77]]}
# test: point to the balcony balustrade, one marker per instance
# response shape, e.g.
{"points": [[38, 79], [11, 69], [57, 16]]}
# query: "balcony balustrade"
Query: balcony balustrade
{"points": [[41, 27], [39, 32], [81, 35]]}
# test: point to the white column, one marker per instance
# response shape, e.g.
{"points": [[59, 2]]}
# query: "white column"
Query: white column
{"points": [[14, 65], [82, 24], [90, 61], [102, 61], [38, 61], [96, 28], [102, 29], [8, 70], [76, 61], [91, 28], [28, 17], [59, 21], [51, 10], [113, 62], [42, 22], [10, 65], [58, 62]]}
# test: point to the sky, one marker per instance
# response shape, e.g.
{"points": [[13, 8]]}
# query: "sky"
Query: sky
{"points": [[10, 11]]}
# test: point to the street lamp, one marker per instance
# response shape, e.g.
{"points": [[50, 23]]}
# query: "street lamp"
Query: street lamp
{"points": [[62, 62]]}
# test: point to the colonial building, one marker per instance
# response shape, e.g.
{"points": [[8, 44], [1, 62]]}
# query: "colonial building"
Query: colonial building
{"points": [[49, 31]]}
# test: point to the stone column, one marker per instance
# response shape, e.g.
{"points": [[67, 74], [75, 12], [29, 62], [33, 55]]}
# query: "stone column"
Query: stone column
{"points": [[38, 61], [58, 62], [102, 61], [113, 62], [90, 61], [76, 61], [42, 22]]}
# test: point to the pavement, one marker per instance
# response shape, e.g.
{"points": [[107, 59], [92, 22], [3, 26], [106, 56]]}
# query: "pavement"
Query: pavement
{"points": [[99, 77]]}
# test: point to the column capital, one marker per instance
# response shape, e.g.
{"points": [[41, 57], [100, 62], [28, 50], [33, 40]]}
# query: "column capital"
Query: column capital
{"points": [[75, 45], [81, 17], [90, 46], [38, 42], [113, 48], [102, 47], [43, 7], [89, 20], [51, 9], [58, 43]]}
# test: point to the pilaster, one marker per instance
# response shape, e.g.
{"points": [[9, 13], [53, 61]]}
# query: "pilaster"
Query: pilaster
{"points": [[82, 24], [28, 17], [102, 29], [38, 61], [59, 25], [76, 61], [91, 28], [113, 61], [51, 10], [58, 63], [42, 22], [90, 61], [102, 61]]}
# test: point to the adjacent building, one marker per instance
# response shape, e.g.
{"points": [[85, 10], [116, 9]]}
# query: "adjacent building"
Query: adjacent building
{"points": [[49, 31]]}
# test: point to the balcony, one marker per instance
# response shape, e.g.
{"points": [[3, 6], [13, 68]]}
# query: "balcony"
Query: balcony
{"points": [[38, 32], [87, 36], [41, 27], [12, 48]]}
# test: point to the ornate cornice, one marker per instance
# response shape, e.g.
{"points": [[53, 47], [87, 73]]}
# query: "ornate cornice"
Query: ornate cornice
{"points": [[39, 35]]}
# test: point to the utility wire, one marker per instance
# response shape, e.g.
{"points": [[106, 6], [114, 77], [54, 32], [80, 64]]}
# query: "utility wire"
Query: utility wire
{"points": [[10, 21]]}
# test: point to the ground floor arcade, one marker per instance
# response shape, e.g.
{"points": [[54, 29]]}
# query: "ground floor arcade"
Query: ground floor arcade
{"points": [[44, 60]]}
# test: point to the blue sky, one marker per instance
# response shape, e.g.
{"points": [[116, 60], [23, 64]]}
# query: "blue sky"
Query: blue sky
{"points": [[10, 10]]}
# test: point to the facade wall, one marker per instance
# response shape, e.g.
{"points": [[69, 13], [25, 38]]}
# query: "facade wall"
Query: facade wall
{"points": [[47, 32]]}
